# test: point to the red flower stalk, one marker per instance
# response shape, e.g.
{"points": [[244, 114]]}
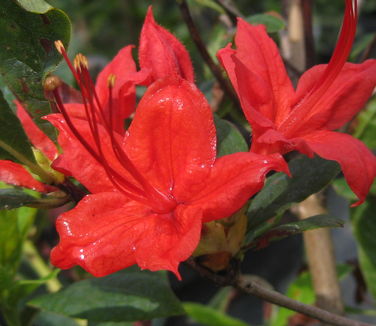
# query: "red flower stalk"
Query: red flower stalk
{"points": [[16, 174], [153, 187], [327, 96], [161, 53]]}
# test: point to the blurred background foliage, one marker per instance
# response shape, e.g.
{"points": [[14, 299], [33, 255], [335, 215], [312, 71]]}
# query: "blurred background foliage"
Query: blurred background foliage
{"points": [[101, 28]]}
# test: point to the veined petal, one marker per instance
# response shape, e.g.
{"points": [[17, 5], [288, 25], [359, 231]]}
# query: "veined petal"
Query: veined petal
{"points": [[253, 91], [162, 53], [15, 174], [36, 136], [106, 232], [75, 160], [233, 180], [172, 138], [258, 52], [357, 161], [343, 99]]}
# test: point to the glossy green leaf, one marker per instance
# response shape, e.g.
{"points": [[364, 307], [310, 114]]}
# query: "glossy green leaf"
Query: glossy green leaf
{"points": [[27, 52], [129, 295], [364, 225], [285, 230], [210, 317], [36, 6], [13, 198], [229, 139], [273, 23], [280, 191], [12, 135]]}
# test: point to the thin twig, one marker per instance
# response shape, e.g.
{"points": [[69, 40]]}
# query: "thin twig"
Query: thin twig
{"points": [[217, 72], [309, 43], [230, 8], [253, 288]]}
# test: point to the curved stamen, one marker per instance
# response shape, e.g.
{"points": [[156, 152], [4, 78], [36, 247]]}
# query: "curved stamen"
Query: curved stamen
{"points": [[95, 114]]}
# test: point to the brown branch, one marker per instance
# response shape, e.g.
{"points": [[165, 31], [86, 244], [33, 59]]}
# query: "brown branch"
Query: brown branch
{"points": [[215, 69], [230, 8], [253, 288], [309, 43]]}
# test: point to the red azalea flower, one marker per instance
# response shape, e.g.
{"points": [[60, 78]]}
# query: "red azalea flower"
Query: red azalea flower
{"points": [[161, 53], [154, 187], [327, 96], [16, 174]]}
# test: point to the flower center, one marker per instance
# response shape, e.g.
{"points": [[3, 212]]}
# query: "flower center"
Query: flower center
{"points": [[139, 188]]}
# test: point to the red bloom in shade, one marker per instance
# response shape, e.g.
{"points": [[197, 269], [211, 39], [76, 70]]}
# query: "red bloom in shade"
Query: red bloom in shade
{"points": [[327, 96], [14, 173], [153, 188], [161, 53]]}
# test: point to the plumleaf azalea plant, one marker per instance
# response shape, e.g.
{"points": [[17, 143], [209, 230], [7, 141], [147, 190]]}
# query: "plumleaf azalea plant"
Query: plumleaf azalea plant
{"points": [[122, 185]]}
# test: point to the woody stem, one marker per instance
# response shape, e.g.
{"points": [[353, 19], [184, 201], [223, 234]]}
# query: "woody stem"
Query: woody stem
{"points": [[216, 71], [254, 288]]}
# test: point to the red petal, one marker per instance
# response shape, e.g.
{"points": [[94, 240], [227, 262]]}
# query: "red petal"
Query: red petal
{"points": [[36, 136], [343, 99], [258, 52], [172, 138], [273, 141], [253, 92], [105, 233], [123, 67], [75, 160], [15, 174], [357, 161], [162, 53], [233, 180], [123, 92]]}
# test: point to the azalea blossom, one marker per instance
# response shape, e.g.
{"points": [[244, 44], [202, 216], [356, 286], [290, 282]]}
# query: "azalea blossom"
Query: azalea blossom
{"points": [[16, 174], [152, 187], [326, 97]]}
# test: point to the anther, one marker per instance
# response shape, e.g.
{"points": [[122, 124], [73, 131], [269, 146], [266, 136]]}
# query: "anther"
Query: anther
{"points": [[59, 46], [80, 62], [111, 80]]}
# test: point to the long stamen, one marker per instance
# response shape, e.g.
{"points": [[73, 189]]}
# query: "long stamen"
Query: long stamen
{"points": [[109, 171], [95, 114], [303, 110]]}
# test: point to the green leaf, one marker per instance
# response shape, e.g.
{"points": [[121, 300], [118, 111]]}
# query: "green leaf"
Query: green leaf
{"points": [[366, 127], [229, 139], [285, 230], [13, 198], [209, 316], [280, 191], [273, 23], [361, 45], [27, 52], [130, 295], [364, 225], [45, 318], [35, 6], [12, 135], [211, 4], [14, 225]]}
